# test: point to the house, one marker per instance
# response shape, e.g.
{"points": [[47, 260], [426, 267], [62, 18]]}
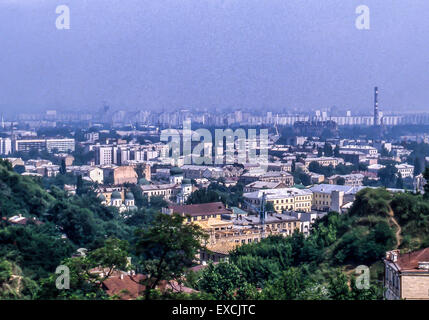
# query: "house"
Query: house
{"points": [[19, 219], [129, 286], [405, 170], [15, 161], [307, 219], [316, 178], [406, 275]]}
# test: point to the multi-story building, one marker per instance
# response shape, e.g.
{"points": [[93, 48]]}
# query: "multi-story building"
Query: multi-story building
{"points": [[368, 150], [167, 191], [5, 146], [260, 185], [282, 199], [270, 176], [119, 175], [275, 223], [60, 145], [92, 136], [198, 212], [405, 170], [25, 145], [105, 155], [328, 197], [406, 275], [353, 179], [51, 145], [323, 161]]}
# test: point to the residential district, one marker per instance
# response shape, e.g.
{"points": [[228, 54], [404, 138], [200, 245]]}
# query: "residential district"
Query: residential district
{"points": [[316, 165]]}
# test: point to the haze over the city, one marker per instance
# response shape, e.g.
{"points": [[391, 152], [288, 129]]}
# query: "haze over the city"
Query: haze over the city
{"points": [[251, 54]]}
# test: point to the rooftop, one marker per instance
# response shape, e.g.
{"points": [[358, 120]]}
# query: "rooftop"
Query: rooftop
{"points": [[200, 209]]}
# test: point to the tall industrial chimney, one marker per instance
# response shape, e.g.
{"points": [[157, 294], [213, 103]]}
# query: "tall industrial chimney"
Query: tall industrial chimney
{"points": [[376, 115]]}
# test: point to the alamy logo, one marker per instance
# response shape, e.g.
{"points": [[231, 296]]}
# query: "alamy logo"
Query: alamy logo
{"points": [[63, 280], [362, 280], [230, 146], [63, 20], [362, 21]]}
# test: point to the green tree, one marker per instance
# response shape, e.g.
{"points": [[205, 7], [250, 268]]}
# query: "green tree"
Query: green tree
{"points": [[167, 248], [224, 281], [337, 151], [341, 181], [287, 286], [426, 186], [327, 150], [338, 286], [63, 168]]}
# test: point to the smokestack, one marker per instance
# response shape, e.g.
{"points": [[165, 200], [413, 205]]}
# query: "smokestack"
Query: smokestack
{"points": [[376, 115]]}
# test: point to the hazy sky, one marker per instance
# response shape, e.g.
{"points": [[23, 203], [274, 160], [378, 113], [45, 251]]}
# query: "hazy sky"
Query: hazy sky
{"points": [[260, 54]]}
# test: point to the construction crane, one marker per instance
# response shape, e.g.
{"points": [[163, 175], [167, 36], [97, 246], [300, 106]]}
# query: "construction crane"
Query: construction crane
{"points": [[261, 212]]}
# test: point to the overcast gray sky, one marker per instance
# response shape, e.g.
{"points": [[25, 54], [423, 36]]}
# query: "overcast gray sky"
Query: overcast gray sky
{"points": [[259, 54]]}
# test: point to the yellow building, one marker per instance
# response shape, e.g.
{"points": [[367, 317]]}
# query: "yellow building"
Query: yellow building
{"points": [[282, 199]]}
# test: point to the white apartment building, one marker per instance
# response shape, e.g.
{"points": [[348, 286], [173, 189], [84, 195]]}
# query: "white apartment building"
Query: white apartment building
{"points": [[405, 170], [368, 150], [105, 155], [5, 146], [59, 145]]}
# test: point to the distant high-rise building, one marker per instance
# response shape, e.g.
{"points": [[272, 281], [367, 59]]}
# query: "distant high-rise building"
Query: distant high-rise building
{"points": [[5, 146], [376, 113]]}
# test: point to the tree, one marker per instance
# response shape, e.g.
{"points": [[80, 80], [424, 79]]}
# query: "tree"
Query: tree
{"points": [[79, 185], [13, 284], [63, 168], [371, 202], [223, 280], [157, 202], [341, 181], [305, 179], [337, 151], [286, 287], [426, 186], [338, 286], [327, 150], [418, 167], [84, 283], [269, 206], [399, 183], [167, 248], [388, 175]]}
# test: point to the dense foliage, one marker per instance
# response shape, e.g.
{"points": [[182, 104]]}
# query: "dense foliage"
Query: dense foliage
{"points": [[297, 267]]}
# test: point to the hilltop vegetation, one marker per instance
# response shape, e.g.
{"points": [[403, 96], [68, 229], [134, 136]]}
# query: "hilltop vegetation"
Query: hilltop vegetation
{"points": [[315, 267]]}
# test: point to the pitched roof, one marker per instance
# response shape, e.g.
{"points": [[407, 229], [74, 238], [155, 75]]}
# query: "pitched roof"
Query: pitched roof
{"points": [[410, 261], [128, 287]]}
